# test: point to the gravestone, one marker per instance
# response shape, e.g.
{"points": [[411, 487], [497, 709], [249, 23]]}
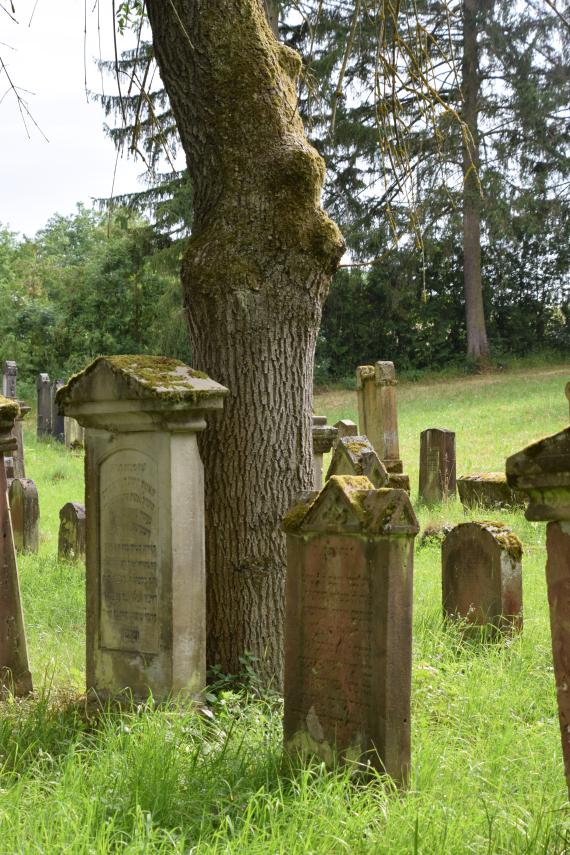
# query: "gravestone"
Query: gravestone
{"points": [[57, 418], [344, 427], [9, 468], [348, 647], [43, 390], [15, 674], [18, 433], [144, 508], [323, 437], [437, 465], [567, 390], [377, 411], [9, 378], [482, 575], [488, 490], [354, 455], [25, 513], [71, 541], [542, 471], [74, 434]]}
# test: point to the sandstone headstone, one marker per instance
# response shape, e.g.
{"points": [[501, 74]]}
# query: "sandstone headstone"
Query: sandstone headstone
{"points": [[344, 427], [482, 575], [542, 471], [437, 465], [354, 455], [377, 411], [9, 378], [43, 389], [144, 522], [488, 490], [15, 674], [25, 513], [349, 626], [74, 433], [57, 419], [71, 541], [323, 437]]}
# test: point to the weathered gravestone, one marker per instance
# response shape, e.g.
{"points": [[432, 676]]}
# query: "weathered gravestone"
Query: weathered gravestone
{"points": [[542, 471], [71, 541], [57, 418], [354, 455], [74, 434], [25, 513], [482, 575], [15, 674], [9, 469], [437, 465], [488, 490], [144, 507], [18, 433], [9, 378], [567, 390], [43, 389], [377, 411], [323, 437], [349, 626], [344, 427]]}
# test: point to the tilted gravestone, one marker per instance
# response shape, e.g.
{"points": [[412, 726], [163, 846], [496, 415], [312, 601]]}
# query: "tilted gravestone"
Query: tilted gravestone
{"points": [[74, 433], [57, 418], [15, 674], [482, 575], [354, 455], [43, 389], [9, 379], [71, 541], [348, 647], [488, 490], [323, 437], [542, 471], [144, 507], [437, 465], [25, 513], [377, 411]]}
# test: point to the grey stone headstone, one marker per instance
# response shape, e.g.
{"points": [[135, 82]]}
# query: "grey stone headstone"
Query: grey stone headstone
{"points": [[71, 542], [57, 419], [9, 376], [25, 512], [43, 388]]}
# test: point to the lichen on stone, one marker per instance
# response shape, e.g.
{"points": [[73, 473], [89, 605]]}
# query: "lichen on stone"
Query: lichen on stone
{"points": [[504, 535], [9, 411]]}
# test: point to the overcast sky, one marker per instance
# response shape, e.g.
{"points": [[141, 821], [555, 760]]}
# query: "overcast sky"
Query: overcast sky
{"points": [[39, 178]]}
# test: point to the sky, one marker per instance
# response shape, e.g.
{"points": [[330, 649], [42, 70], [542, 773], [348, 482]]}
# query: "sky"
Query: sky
{"points": [[39, 178]]}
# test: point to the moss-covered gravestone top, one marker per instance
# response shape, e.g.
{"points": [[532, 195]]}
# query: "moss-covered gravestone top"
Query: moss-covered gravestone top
{"points": [[542, 471], [354, 455], [348, 625], [144, 508]]}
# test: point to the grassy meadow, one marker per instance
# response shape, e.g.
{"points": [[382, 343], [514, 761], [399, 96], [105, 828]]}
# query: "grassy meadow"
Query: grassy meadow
{"points": [[487, 768]]}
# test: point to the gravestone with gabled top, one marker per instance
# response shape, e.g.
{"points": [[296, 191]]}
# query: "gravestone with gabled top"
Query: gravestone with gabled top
{"points": [[43, 390], [377, 411], [348, 647], [354, 455], [25, 513], [15, 674], [344, 427], [144, 506]]}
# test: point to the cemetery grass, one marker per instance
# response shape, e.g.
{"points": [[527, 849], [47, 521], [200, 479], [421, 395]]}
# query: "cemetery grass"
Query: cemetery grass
{"points": [[487, 770]]}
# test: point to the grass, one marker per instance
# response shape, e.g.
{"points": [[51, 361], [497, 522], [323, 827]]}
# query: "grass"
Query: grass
{"points": [[487, 768]]}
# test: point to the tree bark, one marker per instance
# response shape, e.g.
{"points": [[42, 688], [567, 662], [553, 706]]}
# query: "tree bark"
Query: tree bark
{"points": [[272, 12], [477, 346], [255, 274]]}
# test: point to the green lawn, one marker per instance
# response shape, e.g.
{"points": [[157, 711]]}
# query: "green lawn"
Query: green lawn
{"points": [[487, 768]]}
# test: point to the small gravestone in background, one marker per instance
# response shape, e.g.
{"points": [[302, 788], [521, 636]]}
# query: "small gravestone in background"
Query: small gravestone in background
{"points": [[542, 471], [9, 379], [348, 648], [74, 433], [57, 418], [18, 433], [437, 465], [144, 508], [25, 513], [43, 389], [354, 455], [378, 413], [488, 490], [344, 427], [482, 575], [71, 541], [323, 437], [15, 674]]}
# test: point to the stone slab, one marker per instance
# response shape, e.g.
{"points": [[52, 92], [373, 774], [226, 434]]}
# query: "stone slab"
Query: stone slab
{"points": [[25, 513], [437, 465], [488, 490]]}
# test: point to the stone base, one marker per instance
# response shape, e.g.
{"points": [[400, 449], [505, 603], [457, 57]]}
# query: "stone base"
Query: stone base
{"points": [[393, 465]]}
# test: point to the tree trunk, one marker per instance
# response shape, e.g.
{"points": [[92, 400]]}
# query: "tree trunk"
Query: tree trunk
{"points": [[477, 346], [255, 274], [272, 11]]}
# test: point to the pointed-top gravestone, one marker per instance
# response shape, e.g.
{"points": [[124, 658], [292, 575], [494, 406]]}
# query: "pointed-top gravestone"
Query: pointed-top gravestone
{"points": [[354, 455], [348, 625], [144, 509]]}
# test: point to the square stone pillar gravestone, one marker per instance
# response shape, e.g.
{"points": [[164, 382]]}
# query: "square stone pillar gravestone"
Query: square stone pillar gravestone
{"points": [[437, 465], [15, 674], [348, 643], [18, 433], [43, 389], [9, 378], [25, 514], [144, 506], [71, 540], [323, 437], [482, 575], [542, 471], [57, 418], [377, 411], [74, 434]]}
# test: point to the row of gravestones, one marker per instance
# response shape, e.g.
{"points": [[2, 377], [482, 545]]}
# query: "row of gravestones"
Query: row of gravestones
{"points": [[349, 579]]}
